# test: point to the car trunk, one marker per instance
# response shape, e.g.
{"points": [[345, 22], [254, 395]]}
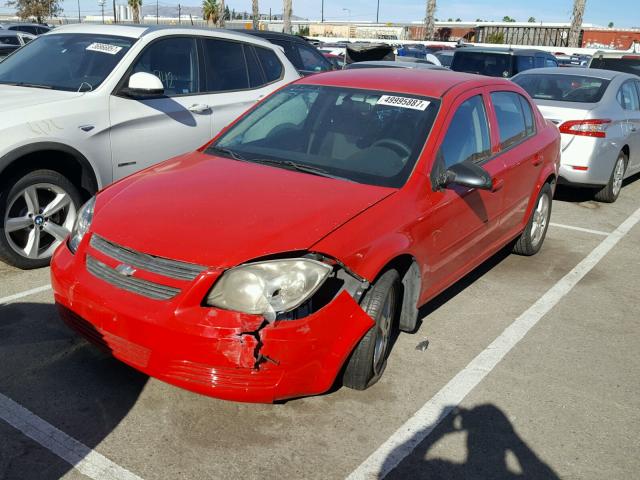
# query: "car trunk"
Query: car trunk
{"points": [[560, 112]]}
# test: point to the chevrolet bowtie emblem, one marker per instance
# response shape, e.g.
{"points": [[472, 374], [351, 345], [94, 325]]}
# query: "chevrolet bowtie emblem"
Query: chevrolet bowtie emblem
{"points": [[126, 270]]}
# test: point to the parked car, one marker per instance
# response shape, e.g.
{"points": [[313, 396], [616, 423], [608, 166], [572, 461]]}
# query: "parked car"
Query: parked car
{"points": [[85, 105], [618, 61], [32, 28], [423, 65], [298, 241], [303, 55], [500, 62], [336, 60], [598, 113], [445, 57], [573, 60], [10, 41]]}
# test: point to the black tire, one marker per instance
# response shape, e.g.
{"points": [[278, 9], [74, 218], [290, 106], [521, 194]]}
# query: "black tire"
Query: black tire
{"points": [[610, 192], [532, 238], [11, 190], [362, 369]]}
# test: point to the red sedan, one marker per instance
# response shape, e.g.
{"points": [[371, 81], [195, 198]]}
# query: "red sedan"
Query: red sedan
{"points": [[288, 251]]}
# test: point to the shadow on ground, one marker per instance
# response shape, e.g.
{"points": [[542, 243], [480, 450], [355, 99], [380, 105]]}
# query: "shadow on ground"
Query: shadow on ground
{"points": [[494, 450], [51, 371], [573, 194]]}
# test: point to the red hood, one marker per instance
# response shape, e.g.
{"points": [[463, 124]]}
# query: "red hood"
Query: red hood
{"points": [[220, 212]]}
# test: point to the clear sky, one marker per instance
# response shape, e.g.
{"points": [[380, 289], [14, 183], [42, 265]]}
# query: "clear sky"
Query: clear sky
{"points": [[624, 13]]}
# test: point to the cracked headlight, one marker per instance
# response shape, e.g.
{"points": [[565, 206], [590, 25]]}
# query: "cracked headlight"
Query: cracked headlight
{"points": [[82, 224], [268, 288]]}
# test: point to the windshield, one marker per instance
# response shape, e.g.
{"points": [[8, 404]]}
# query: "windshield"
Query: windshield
{"points": [[630, 64], [363, 136], [65, 61], [483, 63], [563, 88]]}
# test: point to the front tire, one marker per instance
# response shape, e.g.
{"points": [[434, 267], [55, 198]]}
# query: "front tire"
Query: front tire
{"points": [[37, 213], [610, 192], [532, 238], [369, 359]]}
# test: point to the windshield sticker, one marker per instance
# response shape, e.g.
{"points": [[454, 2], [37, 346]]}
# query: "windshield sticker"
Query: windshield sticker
{"points": [[104, 48], [403, 102]]}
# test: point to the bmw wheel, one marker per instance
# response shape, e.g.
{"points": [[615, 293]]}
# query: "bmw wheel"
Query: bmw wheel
{"points": [[37, 215]]}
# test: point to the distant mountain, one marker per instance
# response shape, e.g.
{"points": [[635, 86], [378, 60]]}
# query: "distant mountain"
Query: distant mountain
{"points": [[196, 12]]}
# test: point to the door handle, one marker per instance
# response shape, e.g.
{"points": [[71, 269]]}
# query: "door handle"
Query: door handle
{"points": [[199, 108], [537, 159], [497, 184]]}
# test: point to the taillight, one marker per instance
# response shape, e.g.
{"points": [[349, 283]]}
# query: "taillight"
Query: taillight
{"points": [[587, 128]]}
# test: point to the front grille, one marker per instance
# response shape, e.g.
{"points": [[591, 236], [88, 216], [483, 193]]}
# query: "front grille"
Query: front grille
{"points": [[135, 285], [150, 263]]}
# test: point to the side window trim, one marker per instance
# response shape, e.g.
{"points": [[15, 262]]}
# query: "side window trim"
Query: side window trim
{"points": [[523, 138]]}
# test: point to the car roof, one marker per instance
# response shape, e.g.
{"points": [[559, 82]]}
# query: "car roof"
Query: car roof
{"points": [[506, 50], [138, 31], [13, 33], [578, 71], [615, 54], [424, 82], [279, 35]]}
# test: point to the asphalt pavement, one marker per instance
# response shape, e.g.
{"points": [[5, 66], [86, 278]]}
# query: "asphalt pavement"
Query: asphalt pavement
{"points": [[531, 371]]}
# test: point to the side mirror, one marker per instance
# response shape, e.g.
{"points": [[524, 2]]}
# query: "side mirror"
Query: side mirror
{"points": [[467, 175], [142, 84]]}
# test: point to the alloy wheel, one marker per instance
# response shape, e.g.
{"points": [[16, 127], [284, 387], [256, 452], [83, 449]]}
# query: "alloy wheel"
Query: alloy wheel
{"points": [[618, 176], [540, 219], [384, 332], [38, 219]]}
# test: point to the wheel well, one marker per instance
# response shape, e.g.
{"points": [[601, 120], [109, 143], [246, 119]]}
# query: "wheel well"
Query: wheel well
{"points": [[65, 163], [551, 180], [625, 149], [410, 277]]}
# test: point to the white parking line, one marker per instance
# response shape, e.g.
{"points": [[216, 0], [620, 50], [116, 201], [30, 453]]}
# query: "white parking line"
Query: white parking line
{"points": [[579, 229], [85, 460], [26, 293], [422, 423]]}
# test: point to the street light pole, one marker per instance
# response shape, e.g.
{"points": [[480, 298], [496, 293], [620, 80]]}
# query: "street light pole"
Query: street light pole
{"points": [[378, 13], [101, 3], [79, 19], [322, 12], [157, 10]]}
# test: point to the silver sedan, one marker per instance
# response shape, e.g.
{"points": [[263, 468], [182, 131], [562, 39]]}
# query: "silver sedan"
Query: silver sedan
{"points": [[598, 114]]}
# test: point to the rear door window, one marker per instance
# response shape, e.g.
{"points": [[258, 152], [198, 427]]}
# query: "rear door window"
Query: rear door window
{"points": [[270, 63], [511, 118], [628, 96], [9, 40], [225, 66], [525, 62], [467, 138]]}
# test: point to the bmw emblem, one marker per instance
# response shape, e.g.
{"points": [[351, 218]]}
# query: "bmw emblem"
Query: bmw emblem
{"points": [[38, 220]]}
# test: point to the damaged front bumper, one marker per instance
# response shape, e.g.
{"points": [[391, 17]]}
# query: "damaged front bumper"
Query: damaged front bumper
{"points": [[215, 352]]}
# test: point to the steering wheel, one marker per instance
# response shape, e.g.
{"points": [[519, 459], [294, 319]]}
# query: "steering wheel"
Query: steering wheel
{"points": [[395, 145]]}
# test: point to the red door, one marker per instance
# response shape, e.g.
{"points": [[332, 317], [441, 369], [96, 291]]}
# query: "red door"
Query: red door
{"points": [[520, 152], [462, 222]]}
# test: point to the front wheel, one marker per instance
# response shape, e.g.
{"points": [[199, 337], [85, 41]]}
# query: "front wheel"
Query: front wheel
{"points": [[610, 192], [369, 359], [37, 214], [532, 238]]}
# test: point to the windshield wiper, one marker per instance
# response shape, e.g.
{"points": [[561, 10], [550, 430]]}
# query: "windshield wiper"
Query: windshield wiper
{"points": [[230, 153], [300, 167], [26, 84]]}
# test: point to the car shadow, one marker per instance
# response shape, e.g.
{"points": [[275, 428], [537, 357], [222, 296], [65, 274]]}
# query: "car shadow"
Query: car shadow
{"points": [[462, 284], [573, 194], [494, 450], [61, 378], [172, 109]]}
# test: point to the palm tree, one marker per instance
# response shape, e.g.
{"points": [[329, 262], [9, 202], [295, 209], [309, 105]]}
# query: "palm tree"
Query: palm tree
{"points": [[210, 11], [221, 14], [286, 15], [576, 23], [256, 14], [135, 6], [429, 24]]}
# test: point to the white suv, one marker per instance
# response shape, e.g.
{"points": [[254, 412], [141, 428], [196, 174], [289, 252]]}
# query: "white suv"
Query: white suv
{"points": [[85, 105]]}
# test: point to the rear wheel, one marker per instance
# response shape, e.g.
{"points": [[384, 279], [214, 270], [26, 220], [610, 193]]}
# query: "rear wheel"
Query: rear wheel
{"points": [[532, 238], [37, 214], [369, 359], [610, 192]]}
